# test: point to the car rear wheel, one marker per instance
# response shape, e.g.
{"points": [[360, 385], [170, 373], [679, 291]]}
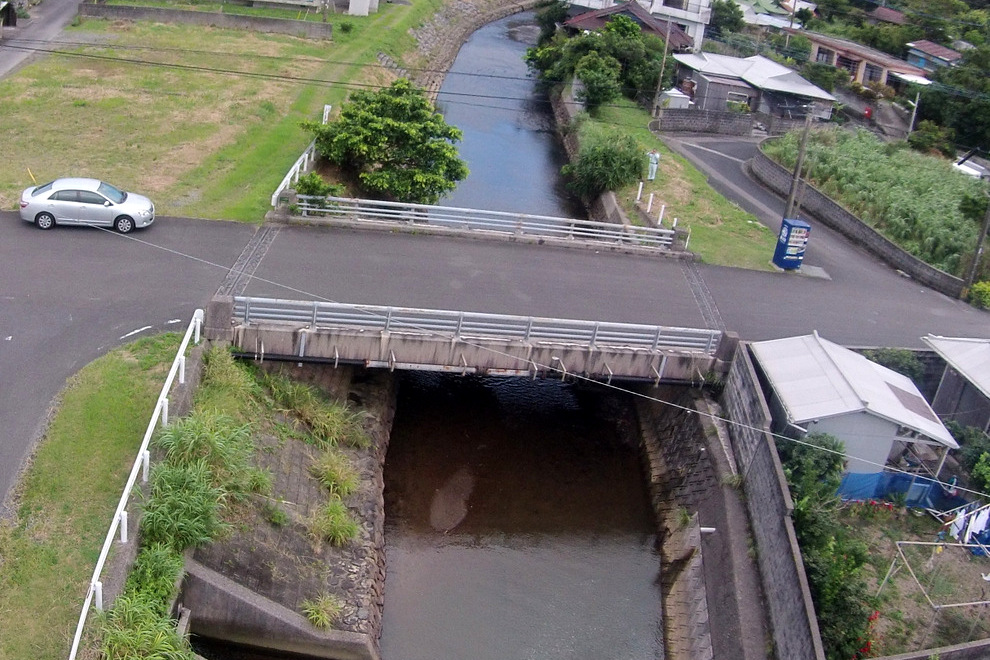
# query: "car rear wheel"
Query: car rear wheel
{"points": [[124, 224], [44, 220]]}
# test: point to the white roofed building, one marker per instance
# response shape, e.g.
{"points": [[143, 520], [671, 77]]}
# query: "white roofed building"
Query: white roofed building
{"points": [[816, 386]]}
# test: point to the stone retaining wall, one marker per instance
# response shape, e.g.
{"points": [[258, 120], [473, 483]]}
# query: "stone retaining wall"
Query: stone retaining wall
{"points": [[793, 624], [834, 215], [685, 120], [304, 29]]}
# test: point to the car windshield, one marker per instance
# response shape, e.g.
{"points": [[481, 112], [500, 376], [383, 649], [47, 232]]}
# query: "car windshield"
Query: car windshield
{"points": [[111, 193], [42, 188]]}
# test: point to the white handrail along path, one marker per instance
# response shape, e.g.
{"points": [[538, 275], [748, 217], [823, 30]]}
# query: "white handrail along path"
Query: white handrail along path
{"points": [[142, 465]]}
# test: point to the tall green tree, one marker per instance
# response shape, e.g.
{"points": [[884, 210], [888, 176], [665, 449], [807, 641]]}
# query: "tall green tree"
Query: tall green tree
{"points": [[727, 16], [599, 76], [395, 142]]}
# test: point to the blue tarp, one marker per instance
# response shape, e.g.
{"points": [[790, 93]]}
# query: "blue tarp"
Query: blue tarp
{"points": [[920, 491]]}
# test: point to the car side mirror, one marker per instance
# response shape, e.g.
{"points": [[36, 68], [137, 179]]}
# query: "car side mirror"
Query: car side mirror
{"points": [[107, 203]]}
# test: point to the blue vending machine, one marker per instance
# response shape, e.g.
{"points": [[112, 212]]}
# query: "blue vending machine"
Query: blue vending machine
{"points": [[791, 243]]}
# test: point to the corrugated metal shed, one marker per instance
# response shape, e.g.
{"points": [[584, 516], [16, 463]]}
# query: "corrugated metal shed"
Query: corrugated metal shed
{"points": [[757, 71], [815, 379], [970, 357]]}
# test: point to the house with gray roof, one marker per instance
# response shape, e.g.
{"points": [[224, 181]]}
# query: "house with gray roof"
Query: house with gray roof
{"points": [[713, 81]]}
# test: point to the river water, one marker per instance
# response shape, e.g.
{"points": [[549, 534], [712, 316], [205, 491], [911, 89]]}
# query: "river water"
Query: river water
{"points": [[509, 141], [518, 525]]}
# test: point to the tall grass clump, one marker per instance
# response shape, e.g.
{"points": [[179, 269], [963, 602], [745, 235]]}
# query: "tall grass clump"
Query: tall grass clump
{"points": [[136, 628], [216, 439], [334, 524], [331, 423], [226, 386], [324, 610], [184, 507], [336, 472], [155, 573]]}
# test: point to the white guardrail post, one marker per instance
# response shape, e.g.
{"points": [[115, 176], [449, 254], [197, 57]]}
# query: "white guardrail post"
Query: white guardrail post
{"points": [[94, 595]]}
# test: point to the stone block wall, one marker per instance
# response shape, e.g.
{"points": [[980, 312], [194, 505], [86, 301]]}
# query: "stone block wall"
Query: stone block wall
{"points": [[794, 627], [306, 29], [834, 215], [684, 120]]}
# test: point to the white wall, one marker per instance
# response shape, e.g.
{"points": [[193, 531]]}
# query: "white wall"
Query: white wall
{"points": [[865, 436]]}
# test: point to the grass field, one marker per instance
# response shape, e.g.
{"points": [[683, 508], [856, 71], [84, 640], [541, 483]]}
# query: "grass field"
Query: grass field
{"points": [[721, 232], [204, 121], [47, 553]]}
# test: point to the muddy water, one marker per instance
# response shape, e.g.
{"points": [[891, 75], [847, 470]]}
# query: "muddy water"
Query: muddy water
{"points": [[517, 526]]}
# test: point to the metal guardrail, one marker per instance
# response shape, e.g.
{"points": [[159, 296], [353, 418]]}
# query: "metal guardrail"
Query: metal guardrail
{"points": [[302, 164], [142, 465], [463, 325], [498, 221]]}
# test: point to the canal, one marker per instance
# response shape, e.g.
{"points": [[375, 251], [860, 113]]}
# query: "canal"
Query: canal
{"points": [[518, 524]]}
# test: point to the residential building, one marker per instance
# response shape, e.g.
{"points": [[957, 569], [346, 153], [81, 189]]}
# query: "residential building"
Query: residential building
{"points": [[691, 16], [964, 390], [713, 81], [864, 64], [886, 15], [930, 56], [596, 19]]}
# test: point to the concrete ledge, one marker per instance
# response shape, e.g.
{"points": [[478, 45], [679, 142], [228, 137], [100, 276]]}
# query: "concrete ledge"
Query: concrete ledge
{"points": [[224, 610]]}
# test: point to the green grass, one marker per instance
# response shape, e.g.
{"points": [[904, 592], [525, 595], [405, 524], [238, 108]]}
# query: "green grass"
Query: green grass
{"points": [[335, 471], [307, 14], [66, 500], [323, 611], [201, 143], [721, 232], [334, 524]]}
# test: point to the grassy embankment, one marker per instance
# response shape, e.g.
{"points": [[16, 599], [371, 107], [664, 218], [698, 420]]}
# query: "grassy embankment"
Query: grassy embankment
{"points": [[66, 500], [205, 121], [721, 232]]}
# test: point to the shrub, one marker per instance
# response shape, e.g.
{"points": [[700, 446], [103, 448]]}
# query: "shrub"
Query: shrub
{"points": [[608, 163], [929, 137], [184, 507], [979, 295], [313, 184]]}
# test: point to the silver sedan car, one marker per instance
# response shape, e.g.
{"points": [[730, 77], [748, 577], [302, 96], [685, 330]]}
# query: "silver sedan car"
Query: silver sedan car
{"points": [[85, 202]]}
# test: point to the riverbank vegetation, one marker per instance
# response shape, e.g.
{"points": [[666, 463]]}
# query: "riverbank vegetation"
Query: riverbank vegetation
{"points": [[205, 477], [213, 118], [917, 201]]}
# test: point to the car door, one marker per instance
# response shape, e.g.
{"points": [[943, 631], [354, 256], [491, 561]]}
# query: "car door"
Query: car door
{"points": [[65, 206], [94, 209]]}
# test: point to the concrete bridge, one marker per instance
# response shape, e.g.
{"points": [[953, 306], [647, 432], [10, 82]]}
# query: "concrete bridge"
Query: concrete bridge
{"points": [[466, 342]]}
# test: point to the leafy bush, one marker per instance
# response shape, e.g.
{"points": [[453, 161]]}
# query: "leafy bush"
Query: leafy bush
{"points": [[833, 560], [825, 76], [901, 360], [973, 443], [979, 295], [605, 164], [313, 184], [184, 507], [599, 76], [929, 137]]}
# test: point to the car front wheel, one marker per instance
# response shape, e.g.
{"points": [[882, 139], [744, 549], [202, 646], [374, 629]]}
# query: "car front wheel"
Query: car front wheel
{"points": [[124, 224], [44, 220]]}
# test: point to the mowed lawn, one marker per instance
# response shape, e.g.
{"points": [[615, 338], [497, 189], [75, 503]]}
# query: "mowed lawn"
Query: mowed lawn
{"points": [[204, 121]]}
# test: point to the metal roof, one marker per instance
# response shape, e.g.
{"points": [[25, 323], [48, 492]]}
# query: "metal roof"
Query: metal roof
{"points": [[758, 71], [816, 379], [970, 357], [596, 19], [937, 50]]}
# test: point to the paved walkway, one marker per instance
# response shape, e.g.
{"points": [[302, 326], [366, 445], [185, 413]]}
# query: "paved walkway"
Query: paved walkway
{"points": [[19, 44]]}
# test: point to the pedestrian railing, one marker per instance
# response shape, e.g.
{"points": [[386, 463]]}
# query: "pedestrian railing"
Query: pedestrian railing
{"points": [[473, 325], [300, 167], [142, 465], [519, 224]]}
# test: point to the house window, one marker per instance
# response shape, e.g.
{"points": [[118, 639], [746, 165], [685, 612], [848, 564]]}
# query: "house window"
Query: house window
{"points": [[847, 64], [872, 73], [824, 56]]}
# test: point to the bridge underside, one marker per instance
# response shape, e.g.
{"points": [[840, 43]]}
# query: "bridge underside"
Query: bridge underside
{"points": [[467, 355]]}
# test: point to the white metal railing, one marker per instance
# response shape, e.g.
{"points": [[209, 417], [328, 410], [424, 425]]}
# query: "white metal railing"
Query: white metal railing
{"points": [[498, 221], [458, 325], [142, 465], [302, 164]]}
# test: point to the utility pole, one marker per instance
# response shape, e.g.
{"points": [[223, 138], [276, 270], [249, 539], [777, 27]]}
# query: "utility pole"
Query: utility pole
{"points": [[914, 112], [979, 248], [663, 67], [800, 162]]}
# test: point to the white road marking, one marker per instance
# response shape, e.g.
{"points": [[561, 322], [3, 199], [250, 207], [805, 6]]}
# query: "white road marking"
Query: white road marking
{"points": [[173, 321], [717, 153], [134, 332]]}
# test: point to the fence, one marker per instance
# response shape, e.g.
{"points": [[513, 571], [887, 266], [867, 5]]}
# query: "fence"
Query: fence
{"points": [[142, 464], [470, 324], [302, 164], [497, 221]]}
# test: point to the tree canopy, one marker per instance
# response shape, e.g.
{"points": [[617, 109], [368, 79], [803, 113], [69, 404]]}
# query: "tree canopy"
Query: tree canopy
{"points": [[395, 142]]}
